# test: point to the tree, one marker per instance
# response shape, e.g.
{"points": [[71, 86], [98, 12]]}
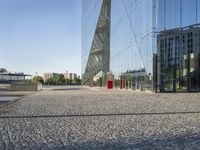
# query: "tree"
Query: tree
{"points": [[37, 79], [60, 79], [69, 81], [77, 80], [50, 81], [56, 80]]}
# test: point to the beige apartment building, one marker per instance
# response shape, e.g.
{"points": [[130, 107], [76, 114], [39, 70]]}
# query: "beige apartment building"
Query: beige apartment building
{"points": [[66, 75], [48, 75]]}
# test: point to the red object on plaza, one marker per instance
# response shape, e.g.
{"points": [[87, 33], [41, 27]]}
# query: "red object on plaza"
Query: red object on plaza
{"points": [[109, 84]]}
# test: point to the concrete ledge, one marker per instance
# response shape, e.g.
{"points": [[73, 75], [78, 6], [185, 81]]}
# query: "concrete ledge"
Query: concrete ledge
{"points": [[26, 87]]}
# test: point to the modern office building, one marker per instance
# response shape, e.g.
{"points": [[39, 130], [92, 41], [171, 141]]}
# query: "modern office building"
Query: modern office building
{"points": [[142, 37], [178, 52]]}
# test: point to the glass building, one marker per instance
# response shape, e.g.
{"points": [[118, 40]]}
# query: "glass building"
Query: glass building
{"points": [[147, 44]]}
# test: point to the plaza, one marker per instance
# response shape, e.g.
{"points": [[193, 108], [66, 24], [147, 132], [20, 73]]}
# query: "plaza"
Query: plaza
{"points": [[75, 117]]}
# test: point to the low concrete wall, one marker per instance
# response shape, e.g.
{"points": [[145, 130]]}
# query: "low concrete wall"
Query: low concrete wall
{"points": [[25, 87]]}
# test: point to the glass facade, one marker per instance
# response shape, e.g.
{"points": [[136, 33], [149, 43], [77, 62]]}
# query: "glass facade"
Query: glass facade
{"points": [[90, 14], [154, 44], [178, 41], [98, 60]]}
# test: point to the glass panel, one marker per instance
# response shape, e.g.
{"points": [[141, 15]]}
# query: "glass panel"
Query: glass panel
{"points": [[131, 43], [189, 12], [90, 14], [177, 44], [166, 28], [172, 14]]}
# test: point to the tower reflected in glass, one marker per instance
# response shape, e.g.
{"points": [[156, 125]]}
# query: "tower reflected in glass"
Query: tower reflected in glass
{"points": [[154, 44]]}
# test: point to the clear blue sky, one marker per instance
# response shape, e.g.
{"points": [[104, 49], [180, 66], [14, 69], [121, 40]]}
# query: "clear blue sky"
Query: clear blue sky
{"points": [[40, 36]]}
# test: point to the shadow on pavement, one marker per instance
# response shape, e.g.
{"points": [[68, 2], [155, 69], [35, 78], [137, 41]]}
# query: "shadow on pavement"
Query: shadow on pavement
{"points": [[66, 89], [187, 141]]}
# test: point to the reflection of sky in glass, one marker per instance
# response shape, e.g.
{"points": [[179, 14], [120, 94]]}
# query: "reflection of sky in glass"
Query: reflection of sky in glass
{"points": [[173, 17], [131, 35], [132, 42]]}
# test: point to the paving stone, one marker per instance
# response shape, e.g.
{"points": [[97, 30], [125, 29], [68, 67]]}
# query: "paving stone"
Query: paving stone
{"points": [[103, 119]]}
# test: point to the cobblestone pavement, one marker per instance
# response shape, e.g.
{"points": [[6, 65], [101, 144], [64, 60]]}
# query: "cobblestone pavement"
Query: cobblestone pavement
{"points": [[7, 96], [96, 118]]}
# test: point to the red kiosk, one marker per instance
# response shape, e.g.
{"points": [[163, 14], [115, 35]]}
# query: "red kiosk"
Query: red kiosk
{"points": [[110, 78]]}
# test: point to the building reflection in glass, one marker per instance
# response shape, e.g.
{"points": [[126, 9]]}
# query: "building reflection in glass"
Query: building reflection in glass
{"points": [[154, 44], [178, 59]]}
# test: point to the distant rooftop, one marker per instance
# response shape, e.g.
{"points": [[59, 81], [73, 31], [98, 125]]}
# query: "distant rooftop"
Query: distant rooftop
{"points": [[3, 70], [180, 30]]}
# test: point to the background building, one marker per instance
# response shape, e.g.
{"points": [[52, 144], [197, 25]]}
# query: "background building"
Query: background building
{"points": [[72, 76], [48, 75], [178, 52], [66, 75], [51, 78], [7, 77], [135, 33]]}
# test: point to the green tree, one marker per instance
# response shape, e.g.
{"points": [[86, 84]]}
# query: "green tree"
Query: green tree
{"points": [[50, 81], [60, 79], [69, 81], [77, 80], [56, 80], [37, 79]]}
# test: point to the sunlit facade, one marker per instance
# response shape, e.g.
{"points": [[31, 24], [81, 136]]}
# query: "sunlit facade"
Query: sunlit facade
{"points": [[146, 49]]}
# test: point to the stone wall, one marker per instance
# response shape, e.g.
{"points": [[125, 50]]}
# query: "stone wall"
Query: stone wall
{"points": [[25, 87]]}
